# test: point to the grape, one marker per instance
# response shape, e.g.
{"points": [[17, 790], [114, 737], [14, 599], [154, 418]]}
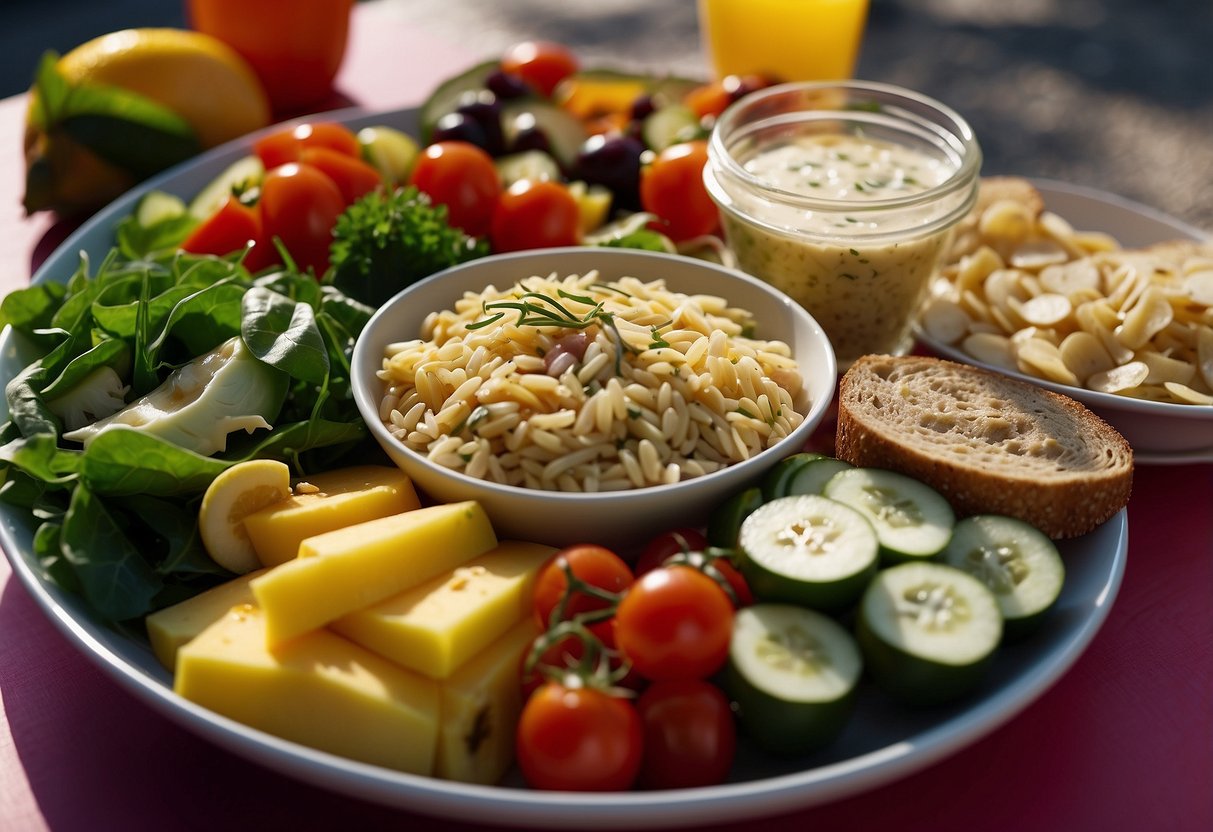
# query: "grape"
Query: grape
{"points": [[458, 127], [506, 86], [482, 107], [529, 136], [613, 162], [642, 107]]}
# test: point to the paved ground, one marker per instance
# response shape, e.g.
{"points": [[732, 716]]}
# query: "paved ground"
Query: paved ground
{"points": [[1115, 94]]}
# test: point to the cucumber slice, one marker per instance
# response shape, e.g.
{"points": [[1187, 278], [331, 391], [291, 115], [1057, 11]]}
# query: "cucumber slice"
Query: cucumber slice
{"points": [[1016, 561], [390, 151], [812, 478], [445, 97], [671, 125], [724, 524], [808, 550], [775, 483], [928, 631], [911, 519], [531, 165], [156, 207], [565, 134], [793, 674], [240, 175]]}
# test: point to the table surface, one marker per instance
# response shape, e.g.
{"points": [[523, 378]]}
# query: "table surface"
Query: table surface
{"points": [[1122, 741]]}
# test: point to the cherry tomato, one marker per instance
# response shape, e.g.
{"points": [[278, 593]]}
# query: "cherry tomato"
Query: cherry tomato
{"points": [[462, 177], [540, 63], [741, 589], [232, 227], [672, 188], [295, 53], [595, 565], [673, 542], [283, 146], [561, 654], [674, 623], [709, 99], [691, 544], [578, 739], [713, 98], [300, 205], [535, 215], [689, 734], [353, 177]]}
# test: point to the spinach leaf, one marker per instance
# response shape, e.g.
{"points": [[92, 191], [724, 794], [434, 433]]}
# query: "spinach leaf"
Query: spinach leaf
{"points": [[283, 334], [32, 308], [114, 576], [127, 461], [175, 524], [40, 456], [110, 353]]}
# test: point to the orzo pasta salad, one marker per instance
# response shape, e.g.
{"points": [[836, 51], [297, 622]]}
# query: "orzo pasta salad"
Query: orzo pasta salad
{"points": [[572, 384]]}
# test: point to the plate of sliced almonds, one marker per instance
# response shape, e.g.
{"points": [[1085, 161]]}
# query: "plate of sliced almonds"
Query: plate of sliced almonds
{"points": [[1090, 295]]}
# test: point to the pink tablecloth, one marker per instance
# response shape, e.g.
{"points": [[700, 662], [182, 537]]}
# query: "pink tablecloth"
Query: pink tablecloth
{"points": [[1123, 741]]}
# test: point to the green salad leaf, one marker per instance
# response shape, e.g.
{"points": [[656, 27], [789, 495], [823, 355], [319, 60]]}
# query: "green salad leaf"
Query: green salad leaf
{"points": [[116, 521]]}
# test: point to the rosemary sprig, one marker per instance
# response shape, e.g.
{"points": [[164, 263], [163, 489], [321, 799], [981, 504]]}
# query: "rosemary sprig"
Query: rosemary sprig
{"points": [[537, 309]]}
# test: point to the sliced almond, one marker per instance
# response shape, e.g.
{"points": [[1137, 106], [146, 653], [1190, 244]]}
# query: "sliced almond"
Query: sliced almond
{"points": [[1119, 379]]}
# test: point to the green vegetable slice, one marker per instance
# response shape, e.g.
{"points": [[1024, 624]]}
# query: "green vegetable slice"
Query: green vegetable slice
{"points": [[775, 483], [237, 178], [928, 631], [1016, 561], [812, 478], [793, 673], [911, 519], [808, 550]]}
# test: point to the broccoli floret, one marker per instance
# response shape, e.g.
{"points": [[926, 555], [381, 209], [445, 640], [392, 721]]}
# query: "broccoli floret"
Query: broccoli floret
{"points": [[389, 240]]}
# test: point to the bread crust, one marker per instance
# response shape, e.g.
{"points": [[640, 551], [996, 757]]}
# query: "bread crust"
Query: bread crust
{"points": [[975, 473]]}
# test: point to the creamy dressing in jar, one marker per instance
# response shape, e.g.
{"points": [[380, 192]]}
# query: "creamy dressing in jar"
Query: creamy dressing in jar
{"points": [[851, 222]]}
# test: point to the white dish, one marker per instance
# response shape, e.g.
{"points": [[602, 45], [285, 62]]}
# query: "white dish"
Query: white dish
{"points": [[1159, 432], [881, 743], [565, 518]]}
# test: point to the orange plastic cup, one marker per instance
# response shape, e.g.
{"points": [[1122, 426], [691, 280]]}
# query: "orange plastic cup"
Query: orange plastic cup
{"points": [[294, 46]]}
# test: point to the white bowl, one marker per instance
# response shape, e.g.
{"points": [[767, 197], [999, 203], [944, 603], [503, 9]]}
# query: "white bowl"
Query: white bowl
{"points": [[1160, 433], [619, 519]]}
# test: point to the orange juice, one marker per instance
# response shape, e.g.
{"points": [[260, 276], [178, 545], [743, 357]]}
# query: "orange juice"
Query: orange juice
{"points": [[790, 40]]}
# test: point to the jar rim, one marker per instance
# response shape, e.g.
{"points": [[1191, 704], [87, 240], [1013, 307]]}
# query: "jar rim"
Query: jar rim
{"points": [[887, 105]]}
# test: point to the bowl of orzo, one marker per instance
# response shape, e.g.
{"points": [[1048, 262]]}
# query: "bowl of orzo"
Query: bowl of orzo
{"points": [[591, 394]]}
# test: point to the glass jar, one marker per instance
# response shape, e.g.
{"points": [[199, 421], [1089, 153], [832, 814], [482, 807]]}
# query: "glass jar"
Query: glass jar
{"points": [[844, 195]]}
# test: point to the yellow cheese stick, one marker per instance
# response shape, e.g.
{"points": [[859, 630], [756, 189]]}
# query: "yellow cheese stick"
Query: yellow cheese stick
{"points": [[171, 627], [481, 704], [352, 568], [320, 690], [341, 498], [435, 627]]}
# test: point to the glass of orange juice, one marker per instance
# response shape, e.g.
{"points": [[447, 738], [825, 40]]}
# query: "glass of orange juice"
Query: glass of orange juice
{"points": [[786, 40]]}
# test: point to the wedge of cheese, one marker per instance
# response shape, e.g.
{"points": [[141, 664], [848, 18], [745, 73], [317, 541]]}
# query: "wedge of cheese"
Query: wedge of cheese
{"points": [[480, 707], [171, 627], [320, 690], [349, 569], [340, 498], [435, 627]]}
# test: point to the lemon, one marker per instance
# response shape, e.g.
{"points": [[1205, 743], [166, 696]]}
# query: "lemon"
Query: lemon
{"points": [[200, 80], [239, 491], [198, 77]]}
